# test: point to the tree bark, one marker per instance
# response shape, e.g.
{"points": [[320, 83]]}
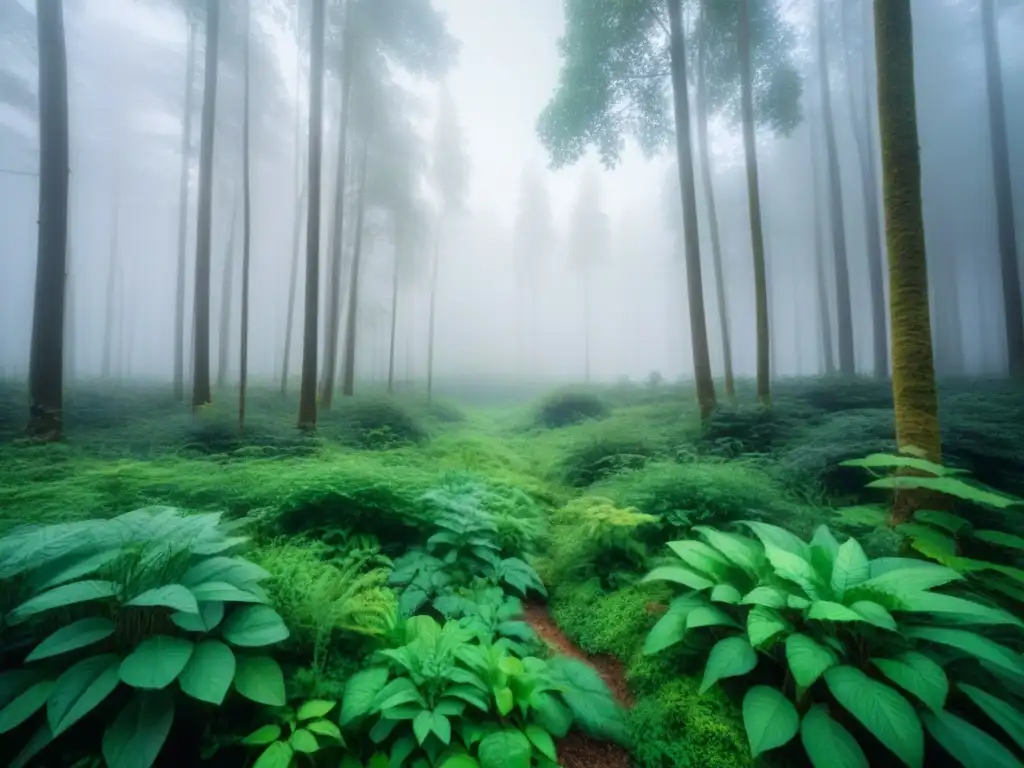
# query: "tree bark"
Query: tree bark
{"points": [[349, 374], [106, 366], [820, 262], [1012, 309], [433, 312], [227, 294], [46, 360], [307, 396], [764, 394], [844, 309], [681, 108], [913, 375], [709, 197], [186, 152], [243, 363], [201, 394]]}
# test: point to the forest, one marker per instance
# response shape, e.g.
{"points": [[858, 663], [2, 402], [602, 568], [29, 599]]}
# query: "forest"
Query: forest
{"points": [[465, 384]]}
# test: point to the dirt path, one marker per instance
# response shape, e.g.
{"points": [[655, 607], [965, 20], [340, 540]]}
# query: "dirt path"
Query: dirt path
{"points": [[577, 750]]}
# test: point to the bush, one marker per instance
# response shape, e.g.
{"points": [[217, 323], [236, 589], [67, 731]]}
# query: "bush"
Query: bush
{"points": [[601, 455], [733, 431], [602, 623], [374, 423], [564, 408]]}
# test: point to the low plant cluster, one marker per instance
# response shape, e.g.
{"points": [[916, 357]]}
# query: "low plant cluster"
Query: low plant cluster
{"points": [[850, 653]]}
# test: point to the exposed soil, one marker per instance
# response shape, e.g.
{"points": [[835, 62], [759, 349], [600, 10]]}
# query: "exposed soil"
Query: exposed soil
{"points": [[577, 750]]}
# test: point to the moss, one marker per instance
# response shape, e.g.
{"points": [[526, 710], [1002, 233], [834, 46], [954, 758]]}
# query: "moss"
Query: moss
{"points": [[613, 623]]}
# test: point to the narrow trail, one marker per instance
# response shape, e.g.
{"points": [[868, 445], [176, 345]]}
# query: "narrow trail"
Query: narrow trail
{"points": [[577, 750]]}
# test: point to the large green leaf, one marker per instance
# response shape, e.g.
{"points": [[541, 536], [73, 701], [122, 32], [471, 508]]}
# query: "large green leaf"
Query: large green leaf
{"points": [[360, 691], [137, 735], [730, 657], [1003, 714], [828, 744], [15, 682], [796, 569], [235, 571], [945, 520], [769, 597], [314, 708], [72, 637], [71, 567], [210, 615], [964, 610], [221, 591], [671, 627], [24, 705], [885, 713], [873, 613], [63, 596], [894, 461], [709, 616], [156, 662], [262, 736], [825, 610], [920, 675], [679, 575], [972, 644], [1000, 539], [699, 556], [36, 744], [763, 624], [254, 626], [303, 741], [769, 717], [277, 755], [259, 679], [542, 740], [552, 715], [739, 550], [779, 538], [209, 672], [851, 568], [970, 745], [726, 593], [82, 688], [950, 486], [902, 581], [808, 659], [507, 748], [173, 596]]}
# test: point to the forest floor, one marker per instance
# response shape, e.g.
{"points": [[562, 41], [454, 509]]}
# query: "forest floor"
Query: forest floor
{"points": [[367, 469]]}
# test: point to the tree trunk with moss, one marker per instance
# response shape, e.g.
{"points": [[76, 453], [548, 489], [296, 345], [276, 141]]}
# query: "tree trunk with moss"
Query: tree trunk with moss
{"points": [[687, 188], [913, 375], [764, 394]]}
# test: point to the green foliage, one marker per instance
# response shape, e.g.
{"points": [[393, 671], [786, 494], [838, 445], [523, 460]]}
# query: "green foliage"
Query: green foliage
{"points": [[302, 730], [601, 623], [147, 599], [375, 423], [561, 409], [603, 455], [865, 637]]}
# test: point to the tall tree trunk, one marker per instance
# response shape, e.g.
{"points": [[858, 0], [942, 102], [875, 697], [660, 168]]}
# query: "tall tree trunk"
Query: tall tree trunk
{"points": [[764, 394], [913, 375], [586, 324], [844, 309], [243, 366], [865, 140], [186, 153], [1012, 310], [433, 312], [687, 187], [820, 262], [46, 360], [106, 367], [349, 374], [227, 293], [394, 315], [201, 394], [709, 198], [310, 343]]}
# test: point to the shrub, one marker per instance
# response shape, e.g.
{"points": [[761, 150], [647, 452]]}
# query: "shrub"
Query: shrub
{"points": [[299, 730], [147, 599], [375, 423], [733, 431], [602, 455], [564, 408], [864, 641], [602, 623]]}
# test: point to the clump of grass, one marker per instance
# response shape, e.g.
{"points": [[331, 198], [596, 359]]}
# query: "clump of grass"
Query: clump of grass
{"points": [[567, 407], [374, 423], [602, 455]]}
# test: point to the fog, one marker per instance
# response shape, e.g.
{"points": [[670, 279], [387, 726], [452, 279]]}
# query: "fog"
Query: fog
{"points": [[606, 298]]}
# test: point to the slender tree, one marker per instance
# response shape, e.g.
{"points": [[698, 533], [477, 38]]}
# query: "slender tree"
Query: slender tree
{"points": [[754, 197], [201, 394], [46, 361], [349, 366], [227, 294], [106, 366], [243, 366], [186, 156], [913, 375], [1008, 257], [307, 400], [820, 260]]}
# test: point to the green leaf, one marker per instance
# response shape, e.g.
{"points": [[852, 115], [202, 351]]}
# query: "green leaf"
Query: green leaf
{"points": [[72, 637], [505, 749], [23, 706], [209, 672], [210, 614], [894, 461], [739, 550], [61, 597], [873, 515], [303, 741], [552, 715], [82, 688], [945, 520], [950, 486], [769, 597], [708, 616], [971, 746], [850, 569], [824, 610], [828, 744], [504, 700], [671, 628], [808, 659], [137, 735], [972, 644], [324, 728], [36, 744], [14, 682], [460, 761], [542, 740], [763, 624], [235, 571], [259, 679], [173, 596], [277, 755], [920, 675], [156, 662], [796, 569], [725, 593], [421, 725], [314, 708], [884, 712], [730, 657], [826, 542], [699, 556], [219, 591], [1000, 539], [678, 575], [779, 538], [262, 736], [441, 727], [1003, 714], [254, 626], [965, 610], [873, 613], [770, 719], [904, 581]]}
